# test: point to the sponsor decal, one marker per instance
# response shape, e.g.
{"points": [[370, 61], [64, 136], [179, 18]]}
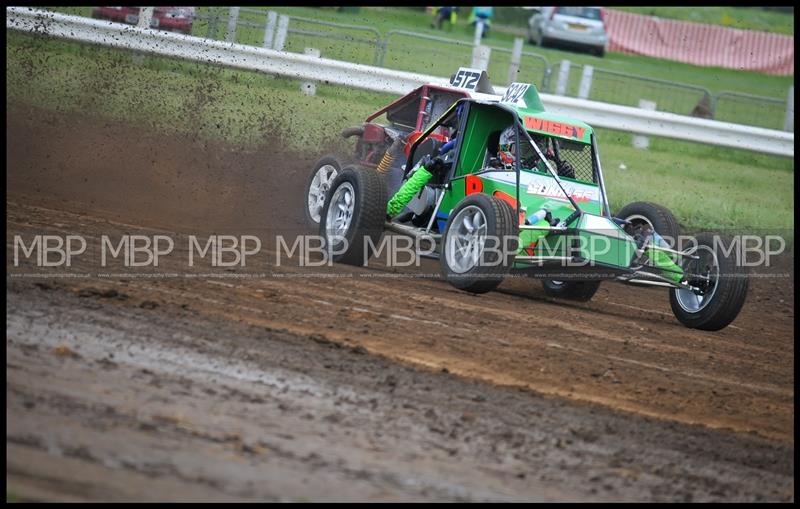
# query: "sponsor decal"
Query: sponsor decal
{"points": [[551, 190], [472, 184], [546, 186], [558, 128]]}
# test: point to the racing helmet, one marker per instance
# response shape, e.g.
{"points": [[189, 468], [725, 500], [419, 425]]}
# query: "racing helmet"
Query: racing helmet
{"points": [[505, 149]]}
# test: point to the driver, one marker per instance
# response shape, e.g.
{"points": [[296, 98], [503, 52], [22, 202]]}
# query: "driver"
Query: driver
{"points": [[506, 151], [529, 157]]}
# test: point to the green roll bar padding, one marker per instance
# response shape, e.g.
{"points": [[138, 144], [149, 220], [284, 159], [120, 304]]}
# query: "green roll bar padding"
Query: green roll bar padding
{"points": [[407, 191]]}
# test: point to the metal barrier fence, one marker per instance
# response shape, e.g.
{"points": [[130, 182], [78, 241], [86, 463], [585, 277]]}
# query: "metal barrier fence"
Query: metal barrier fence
{"points": [[749, 109], [410, 51], [141, 40], [628, 90], [533, 68], [349, 43], [440, 56]]}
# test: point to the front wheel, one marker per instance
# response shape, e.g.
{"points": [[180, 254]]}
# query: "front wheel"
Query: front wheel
{"points": [[317, 185], [581, 291], [353, 215], [721, 281], [480, 243]]}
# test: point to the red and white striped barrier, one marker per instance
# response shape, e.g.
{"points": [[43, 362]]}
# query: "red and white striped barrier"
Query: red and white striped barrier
{"points": [[700, 44]]}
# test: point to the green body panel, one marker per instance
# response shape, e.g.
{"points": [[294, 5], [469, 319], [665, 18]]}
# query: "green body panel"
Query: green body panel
{"points": [[452, 197], [662, 260], [602, 240], [530, 202], [476, 136], [502, 184], [530, 110], [594, 237]]}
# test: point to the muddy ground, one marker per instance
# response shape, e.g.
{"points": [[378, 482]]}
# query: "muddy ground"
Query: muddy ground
{"points": [[285, 382]]}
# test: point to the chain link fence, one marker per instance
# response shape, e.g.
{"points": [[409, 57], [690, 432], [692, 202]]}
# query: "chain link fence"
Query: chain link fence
{"points": [[749, 109], [628, 90], [533, 68], [425, 54]]}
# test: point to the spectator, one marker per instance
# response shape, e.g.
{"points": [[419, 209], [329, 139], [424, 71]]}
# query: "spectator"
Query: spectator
{"points": [[482, 15], [445, 14]]}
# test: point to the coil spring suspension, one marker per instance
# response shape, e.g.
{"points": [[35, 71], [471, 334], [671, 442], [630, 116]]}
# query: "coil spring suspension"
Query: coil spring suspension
{"points": [[386, 162], [394, 151]]}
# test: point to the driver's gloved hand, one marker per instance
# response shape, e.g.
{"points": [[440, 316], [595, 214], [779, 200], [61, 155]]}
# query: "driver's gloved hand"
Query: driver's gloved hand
{"points": [[432, 164]]}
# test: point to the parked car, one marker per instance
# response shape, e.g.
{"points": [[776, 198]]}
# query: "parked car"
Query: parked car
{"points": [[582, 27], [177, 19]]}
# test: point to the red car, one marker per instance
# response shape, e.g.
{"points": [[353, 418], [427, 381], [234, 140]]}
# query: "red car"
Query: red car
{"points": [[402, 121], [177, 19]]}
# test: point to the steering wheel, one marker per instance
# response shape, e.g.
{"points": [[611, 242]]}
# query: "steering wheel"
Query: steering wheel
{"points": [[430, 147]]}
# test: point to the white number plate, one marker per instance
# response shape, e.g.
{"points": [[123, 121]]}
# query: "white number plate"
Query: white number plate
{"points": [[466, 78], [515, 92]]}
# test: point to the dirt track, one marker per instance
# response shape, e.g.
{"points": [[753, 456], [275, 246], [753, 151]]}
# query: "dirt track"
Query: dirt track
{"points": [[369, 386]]}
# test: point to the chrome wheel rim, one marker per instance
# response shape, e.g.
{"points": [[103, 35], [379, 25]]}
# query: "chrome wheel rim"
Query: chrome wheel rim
{"points": [[466, 239], [318, 189], [707, 267], [638, 220], [340, 212]]}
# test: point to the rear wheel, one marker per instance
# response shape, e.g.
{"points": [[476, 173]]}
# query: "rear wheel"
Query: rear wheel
{"points": [[480, 243], [319, 181], [643, 215], [721, 281], [353, 215], [581, 291]]}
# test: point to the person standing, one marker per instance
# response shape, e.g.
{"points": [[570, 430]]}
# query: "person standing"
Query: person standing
{"points": [[445, 14], [482, 15]]}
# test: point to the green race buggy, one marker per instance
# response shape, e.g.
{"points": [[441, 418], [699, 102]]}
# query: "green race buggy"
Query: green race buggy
{"points": [[520, 190]]}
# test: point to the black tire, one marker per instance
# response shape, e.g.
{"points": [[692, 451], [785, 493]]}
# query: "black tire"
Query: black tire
{"points": [[501, 223], [581, 291], [643, 213], [368, 214], [726, 296], [327, 161]]}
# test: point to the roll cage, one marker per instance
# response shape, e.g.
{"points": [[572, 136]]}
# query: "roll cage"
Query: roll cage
{"points": [[521, 134]]}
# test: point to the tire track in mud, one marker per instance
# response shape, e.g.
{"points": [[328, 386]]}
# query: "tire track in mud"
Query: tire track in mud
{"points": [[623, 350], [662, 373], [196, 400]]}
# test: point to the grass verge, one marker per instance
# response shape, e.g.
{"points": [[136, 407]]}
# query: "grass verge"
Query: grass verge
{"points": [[707, 187]]}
